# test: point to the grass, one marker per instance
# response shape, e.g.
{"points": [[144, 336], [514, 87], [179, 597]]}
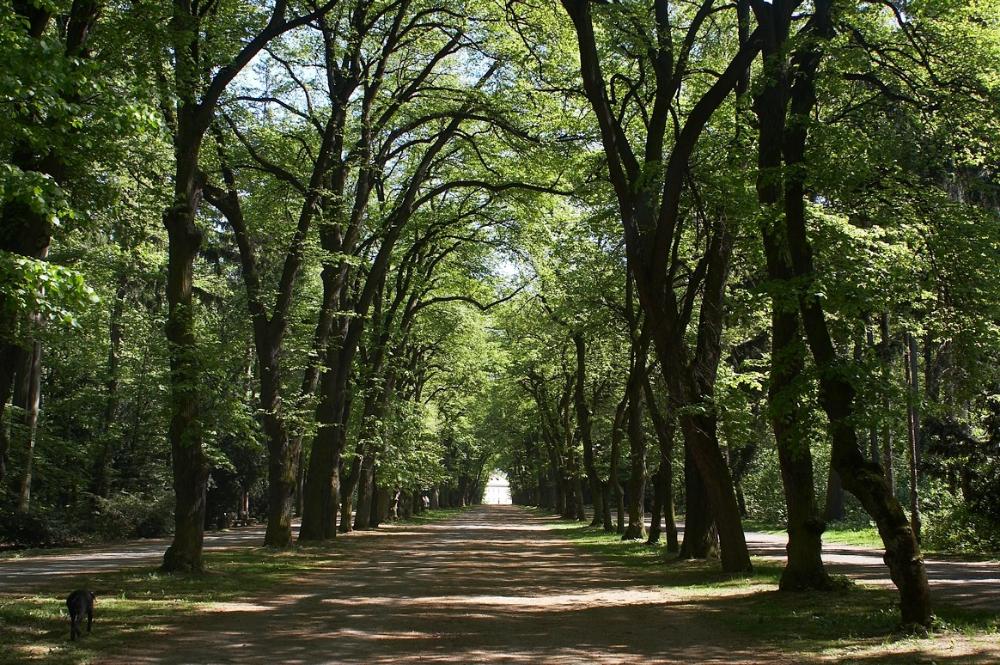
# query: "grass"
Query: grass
{"points": [[434, 515], [854, 623], [836, 532], [135, 603]]}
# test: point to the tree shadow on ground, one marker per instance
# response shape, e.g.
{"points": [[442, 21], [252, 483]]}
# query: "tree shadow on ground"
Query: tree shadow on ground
{"points": [[498, 585]]}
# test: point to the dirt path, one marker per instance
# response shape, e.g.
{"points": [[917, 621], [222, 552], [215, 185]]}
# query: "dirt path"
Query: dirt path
{"points": [[493, 584], [974, 584]]}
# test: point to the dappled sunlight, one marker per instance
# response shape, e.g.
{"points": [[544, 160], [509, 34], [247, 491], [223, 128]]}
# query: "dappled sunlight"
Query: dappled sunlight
{"points": [[499, 584], [492, 584]]}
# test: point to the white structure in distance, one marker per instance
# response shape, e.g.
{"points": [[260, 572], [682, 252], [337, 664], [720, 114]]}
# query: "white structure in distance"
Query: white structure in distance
{"points": [[497, 490]]}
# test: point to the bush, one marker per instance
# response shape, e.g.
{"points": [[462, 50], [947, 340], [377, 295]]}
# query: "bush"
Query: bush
{"points": [[37, 528], [952, 527], [133, 516]]}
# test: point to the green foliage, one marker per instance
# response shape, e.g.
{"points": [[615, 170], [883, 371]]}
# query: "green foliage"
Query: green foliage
{"points": [[126, 516], [37, 528], [54, 293]]}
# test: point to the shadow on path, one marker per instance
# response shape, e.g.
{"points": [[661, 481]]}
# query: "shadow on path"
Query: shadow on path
{"points": [[494, 584]]}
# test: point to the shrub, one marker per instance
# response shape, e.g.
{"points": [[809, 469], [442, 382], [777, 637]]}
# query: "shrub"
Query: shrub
{"points": [[36, 528], [951, 526], [133, 516]]}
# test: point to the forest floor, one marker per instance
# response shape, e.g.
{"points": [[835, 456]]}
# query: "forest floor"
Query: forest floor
{"points": [[488, 584]]}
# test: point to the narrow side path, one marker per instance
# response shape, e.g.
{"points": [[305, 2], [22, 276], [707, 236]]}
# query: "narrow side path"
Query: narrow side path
{"points": [[971, 584], [494, 584], [23, 573]]}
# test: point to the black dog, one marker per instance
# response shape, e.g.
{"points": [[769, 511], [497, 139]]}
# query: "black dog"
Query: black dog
{"points": [[80, 602]]}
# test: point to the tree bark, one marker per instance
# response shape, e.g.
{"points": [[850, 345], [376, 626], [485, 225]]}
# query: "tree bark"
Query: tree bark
{"points": [[189, 463], [863, 479], [913, 429], [701, 539], [664, 427], [885, 354], [636, 529], [656, 515], [614, 474], [584, 426], [28, 397]]}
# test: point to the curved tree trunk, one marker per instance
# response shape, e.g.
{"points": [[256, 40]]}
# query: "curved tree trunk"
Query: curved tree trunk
{"points": [[860, 476]]}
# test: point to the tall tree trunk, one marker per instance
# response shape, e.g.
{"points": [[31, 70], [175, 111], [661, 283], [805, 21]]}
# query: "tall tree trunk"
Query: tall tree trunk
{"points": [[614, 475], [322, 493], [804, 566], [28, 398], [863, 479], [701, 540], [349, 486], [885, 354], [664, 427], [913, 429], [656, 515], [636, 529], [583, 424], [283, 451], [101, 482], [188, 457], [650, 214]]}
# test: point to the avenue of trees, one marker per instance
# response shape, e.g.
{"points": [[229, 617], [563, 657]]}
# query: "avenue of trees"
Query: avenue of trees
{"points": [[337, 260]]}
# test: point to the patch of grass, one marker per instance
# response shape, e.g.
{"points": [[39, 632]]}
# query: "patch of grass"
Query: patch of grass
{"points": [[836, 532], [852, 619], [858, 536], [134, 603], [678, 573], [434, 515]]}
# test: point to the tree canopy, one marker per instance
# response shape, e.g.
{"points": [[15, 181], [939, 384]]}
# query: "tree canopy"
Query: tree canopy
{"points": [[338, 260]]}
